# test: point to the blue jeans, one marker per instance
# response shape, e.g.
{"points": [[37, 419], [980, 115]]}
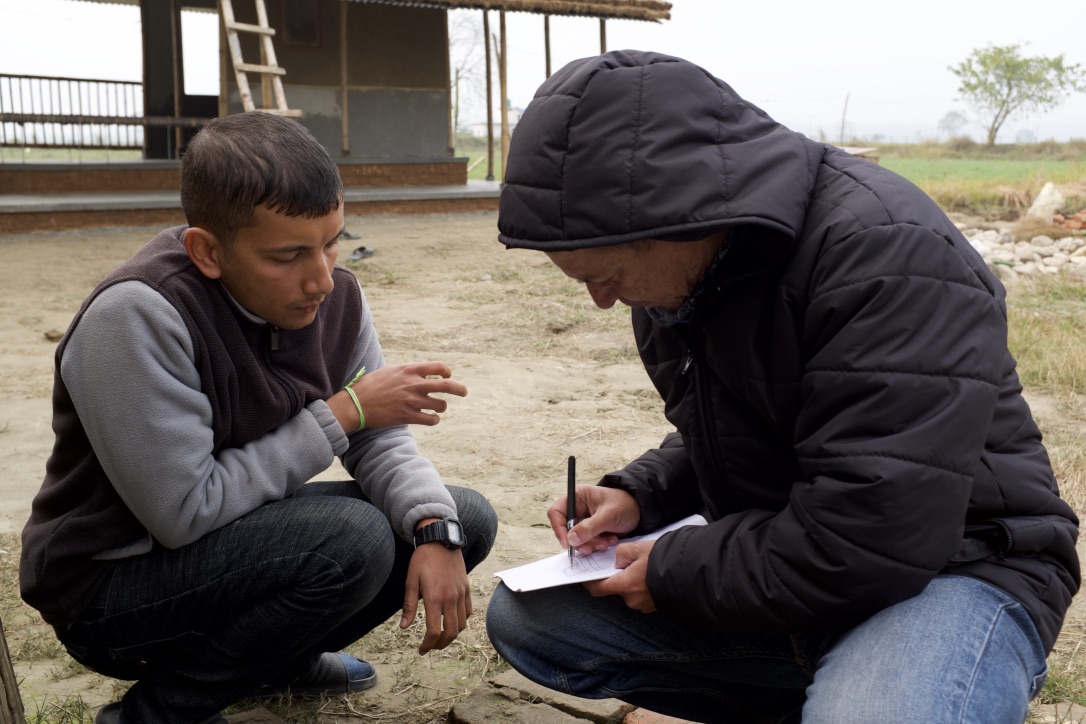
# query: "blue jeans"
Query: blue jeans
{"points": [[961, 651], [254, 602]]}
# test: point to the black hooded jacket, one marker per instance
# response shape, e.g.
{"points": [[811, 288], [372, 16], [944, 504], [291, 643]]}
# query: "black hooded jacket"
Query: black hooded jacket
{"points": [[845, 403]]}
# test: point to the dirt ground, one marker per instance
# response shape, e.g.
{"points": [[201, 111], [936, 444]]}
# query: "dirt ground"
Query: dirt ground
{"points": [[546, 380], [548, 376]]}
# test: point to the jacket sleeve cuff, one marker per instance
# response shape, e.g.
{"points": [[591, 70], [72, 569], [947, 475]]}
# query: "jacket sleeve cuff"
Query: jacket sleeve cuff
{"points": [[330, 425]]}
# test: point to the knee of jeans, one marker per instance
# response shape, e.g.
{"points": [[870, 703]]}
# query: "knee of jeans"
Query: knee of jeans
{"points": [[505, 623], [354, 537], [480, 523]]}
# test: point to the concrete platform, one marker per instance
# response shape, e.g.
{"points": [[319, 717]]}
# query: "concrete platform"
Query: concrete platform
{"points": [[34, 212]]}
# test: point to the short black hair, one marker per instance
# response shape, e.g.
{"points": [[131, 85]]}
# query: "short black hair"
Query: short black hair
{"points": [[245, 160]]}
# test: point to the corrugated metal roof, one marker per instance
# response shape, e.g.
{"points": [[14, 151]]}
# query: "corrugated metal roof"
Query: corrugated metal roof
{"points": [[651, 10]]}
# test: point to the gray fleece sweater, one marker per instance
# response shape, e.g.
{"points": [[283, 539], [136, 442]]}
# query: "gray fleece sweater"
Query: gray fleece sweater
{"points": [[175, 415], [131, 340]]}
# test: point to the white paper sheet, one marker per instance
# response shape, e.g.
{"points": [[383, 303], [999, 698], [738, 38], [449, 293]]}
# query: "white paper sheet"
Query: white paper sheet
{"points": [[557, 571]]}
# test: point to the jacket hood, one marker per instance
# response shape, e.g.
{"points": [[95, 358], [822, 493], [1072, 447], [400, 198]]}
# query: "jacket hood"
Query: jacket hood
{"points": [[637, 145]]}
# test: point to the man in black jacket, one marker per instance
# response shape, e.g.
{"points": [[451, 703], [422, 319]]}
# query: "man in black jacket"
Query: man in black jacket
{"points": [[886, 540]]}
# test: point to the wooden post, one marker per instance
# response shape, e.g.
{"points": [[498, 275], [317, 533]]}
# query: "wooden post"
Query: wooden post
{"points": [[224, 77], [343, 97], [178, 75], [11, 704], [603, 36], [547, 41], [489, 101], [158, 77], [502, 76]]}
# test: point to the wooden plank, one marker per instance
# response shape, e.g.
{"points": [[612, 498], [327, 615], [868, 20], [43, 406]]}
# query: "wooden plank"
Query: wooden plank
{"points": [[255, 68], [11, 704], [250, 28]]}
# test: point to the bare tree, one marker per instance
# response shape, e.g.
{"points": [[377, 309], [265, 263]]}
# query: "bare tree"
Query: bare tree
{"points": [[467, 71], [953, 123]]}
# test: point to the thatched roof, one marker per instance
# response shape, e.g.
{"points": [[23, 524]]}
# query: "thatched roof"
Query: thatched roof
{"points": [[651, 10]]}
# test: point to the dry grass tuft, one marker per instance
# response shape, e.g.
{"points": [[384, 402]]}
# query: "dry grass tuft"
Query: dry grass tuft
{"points": [[1027, 227]]}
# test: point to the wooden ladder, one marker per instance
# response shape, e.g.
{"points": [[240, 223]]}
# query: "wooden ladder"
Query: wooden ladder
{"points": [[271, 74]]}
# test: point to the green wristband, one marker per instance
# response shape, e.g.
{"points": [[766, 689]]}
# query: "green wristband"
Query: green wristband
{"points": [[354, 398]]}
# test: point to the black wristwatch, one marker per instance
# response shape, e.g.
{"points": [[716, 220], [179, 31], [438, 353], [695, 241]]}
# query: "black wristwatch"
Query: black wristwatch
{"points": [[447, 532]]}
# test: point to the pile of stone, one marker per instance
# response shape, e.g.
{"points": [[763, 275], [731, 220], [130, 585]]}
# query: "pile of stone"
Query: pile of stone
{"points": [[1010, 257], [1074, 221]]}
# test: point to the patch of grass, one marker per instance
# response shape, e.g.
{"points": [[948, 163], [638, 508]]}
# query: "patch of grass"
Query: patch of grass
{"points": [[1047, 326], [964, 176], [38, 645], [1047, 321], [371, 274], [68, 710], [1067, 667], [10, 602], [985, 169]]}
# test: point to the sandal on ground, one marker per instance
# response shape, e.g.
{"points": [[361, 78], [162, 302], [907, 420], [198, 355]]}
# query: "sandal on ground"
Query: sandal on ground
{"points": [[362, 252], [334, 675]]}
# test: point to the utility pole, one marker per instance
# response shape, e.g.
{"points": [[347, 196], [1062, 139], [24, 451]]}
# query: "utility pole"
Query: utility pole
{"points": [[841, 136]]}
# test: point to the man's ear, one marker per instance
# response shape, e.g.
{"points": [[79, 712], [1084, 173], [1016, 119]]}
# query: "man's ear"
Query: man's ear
{"points": [[205, 250]]}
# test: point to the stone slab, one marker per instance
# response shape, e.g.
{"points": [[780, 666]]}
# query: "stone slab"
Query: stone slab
{"points": [[602, 711], [489, 704]]}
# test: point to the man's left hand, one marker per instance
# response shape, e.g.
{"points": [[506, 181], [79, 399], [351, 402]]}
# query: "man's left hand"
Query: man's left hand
{"points": [[439, 577], [633, 561]]}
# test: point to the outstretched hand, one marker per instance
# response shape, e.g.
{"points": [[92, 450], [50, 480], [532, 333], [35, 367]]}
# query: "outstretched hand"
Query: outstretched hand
{"points": [[399, 395]]}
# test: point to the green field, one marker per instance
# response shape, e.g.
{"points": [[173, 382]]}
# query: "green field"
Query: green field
{"points": [[986, 169]]}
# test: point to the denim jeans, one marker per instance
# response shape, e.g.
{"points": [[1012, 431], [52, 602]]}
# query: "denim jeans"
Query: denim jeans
{"points": [[254, 602], [961, 651]]}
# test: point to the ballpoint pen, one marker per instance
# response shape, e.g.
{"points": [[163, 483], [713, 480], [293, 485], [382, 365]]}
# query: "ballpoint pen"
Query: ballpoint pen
{"points": [[571, 501]]}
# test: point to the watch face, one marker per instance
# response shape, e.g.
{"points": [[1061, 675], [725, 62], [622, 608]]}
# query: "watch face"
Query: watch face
{"points": [[454, 532]]}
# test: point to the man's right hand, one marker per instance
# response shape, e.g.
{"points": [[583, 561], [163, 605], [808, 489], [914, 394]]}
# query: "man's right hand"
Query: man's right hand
{"points": [[602, 515], [398, 395]]}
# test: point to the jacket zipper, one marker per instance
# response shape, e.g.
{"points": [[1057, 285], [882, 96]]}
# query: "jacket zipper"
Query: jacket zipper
{"points": [[273, 346], [717, 468]]}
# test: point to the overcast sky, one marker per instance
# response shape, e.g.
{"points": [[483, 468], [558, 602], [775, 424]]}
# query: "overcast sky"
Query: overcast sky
{"points": [[800, 61]]}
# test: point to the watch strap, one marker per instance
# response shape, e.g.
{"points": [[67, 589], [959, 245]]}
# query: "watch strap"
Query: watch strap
{"points": [[436, 532]]}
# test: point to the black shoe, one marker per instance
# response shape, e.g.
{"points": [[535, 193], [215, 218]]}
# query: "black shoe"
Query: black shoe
{"points": [[334, 674]]}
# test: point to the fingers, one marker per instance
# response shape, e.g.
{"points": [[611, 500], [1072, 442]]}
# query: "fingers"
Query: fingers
{"points": [[405, 394], [556, 515], [410, 602], [442, 629], [444, 384], [629, 583], [432, 368], [602, 513], [439, 575], [594, 533]]}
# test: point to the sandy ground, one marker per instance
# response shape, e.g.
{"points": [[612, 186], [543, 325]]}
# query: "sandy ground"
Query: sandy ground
{"points": [[548, 375], [546, 380]]}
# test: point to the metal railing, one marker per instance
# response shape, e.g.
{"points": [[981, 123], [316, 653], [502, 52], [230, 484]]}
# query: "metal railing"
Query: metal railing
{"points": [[76, 113]]}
